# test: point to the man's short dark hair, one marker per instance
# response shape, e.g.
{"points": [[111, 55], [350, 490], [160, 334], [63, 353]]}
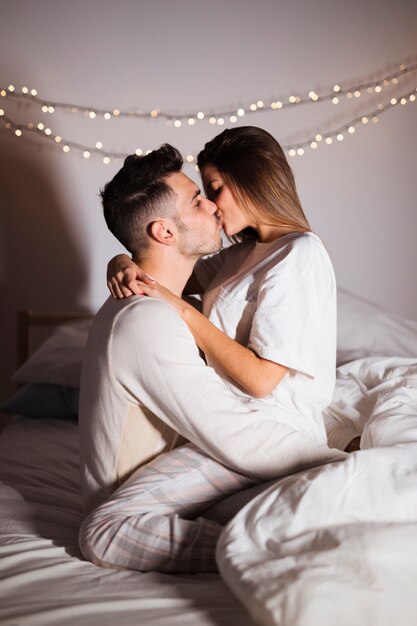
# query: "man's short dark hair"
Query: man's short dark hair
{"points": [[138, 194]]}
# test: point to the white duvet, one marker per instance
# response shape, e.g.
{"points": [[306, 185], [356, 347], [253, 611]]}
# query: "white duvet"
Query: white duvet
{"points": [[337, 545]]}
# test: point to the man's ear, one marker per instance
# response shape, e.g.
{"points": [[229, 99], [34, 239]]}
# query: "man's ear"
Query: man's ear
{"points": [[162, 231]]}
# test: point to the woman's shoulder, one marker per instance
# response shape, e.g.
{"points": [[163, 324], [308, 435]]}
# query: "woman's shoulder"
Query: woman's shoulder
{"points": [[302, 253], [308, 243]]}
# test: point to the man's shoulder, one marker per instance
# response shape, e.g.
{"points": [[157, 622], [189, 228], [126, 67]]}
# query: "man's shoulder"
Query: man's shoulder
{"points": [[138, 309], [116, 317], [145, 308]]}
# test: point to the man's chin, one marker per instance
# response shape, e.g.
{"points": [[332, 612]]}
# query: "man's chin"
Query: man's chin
{"points": [[218, 245]]}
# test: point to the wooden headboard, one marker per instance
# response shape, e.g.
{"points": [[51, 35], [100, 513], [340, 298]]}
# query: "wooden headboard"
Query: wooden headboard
{"points": [[27, 320]]}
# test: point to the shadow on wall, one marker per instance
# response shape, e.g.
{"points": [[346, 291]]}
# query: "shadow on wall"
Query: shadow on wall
{"points": [[41, 266]]}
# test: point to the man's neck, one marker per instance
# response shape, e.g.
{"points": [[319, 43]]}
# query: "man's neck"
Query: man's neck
{"points": [[170, 270]]}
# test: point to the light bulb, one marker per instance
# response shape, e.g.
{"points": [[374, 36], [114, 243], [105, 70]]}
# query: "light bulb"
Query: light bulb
{"points": [[99, 145], [189, 158], [292, 152], [86, 154], [106, 160]]}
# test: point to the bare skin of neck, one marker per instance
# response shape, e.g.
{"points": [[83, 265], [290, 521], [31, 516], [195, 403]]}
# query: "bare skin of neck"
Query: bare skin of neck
{"points": [[167, 267]]}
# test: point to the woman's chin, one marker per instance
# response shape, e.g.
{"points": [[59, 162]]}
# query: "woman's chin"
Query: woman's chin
{"points": [[229, 232]]}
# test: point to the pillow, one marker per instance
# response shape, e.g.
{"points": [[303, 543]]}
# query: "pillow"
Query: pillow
{"points": [[366, 329], [58, 360], [44, 401]]}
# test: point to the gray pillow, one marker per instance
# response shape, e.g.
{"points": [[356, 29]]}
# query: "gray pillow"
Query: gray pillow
{"points": [[44, 400]]}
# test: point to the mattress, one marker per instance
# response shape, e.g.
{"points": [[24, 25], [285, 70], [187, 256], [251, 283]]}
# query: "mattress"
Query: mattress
{"points": [[43, 577]]}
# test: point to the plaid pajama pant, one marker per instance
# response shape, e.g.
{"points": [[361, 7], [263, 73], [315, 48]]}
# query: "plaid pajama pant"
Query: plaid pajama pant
{"points": [[151, 521]]}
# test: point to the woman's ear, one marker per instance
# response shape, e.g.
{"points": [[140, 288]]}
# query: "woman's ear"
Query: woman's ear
{"points": [[162, 231]]}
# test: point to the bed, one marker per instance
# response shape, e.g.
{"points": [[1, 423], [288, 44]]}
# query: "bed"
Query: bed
{"points": [[335, 545]]}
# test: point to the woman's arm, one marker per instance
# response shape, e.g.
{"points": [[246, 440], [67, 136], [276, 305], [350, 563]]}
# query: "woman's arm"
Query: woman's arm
{"points": [[256, 376], [123, 276]]}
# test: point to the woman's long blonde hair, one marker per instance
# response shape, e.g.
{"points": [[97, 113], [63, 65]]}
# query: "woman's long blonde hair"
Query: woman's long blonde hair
{"points": [[255, 168]]}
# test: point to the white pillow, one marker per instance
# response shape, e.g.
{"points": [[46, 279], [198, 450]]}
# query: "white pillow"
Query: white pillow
{"points": [[366, 329], [58, 360]]}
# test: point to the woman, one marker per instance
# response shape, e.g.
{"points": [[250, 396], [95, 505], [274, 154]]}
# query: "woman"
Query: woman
{"points": [[269, 301]]}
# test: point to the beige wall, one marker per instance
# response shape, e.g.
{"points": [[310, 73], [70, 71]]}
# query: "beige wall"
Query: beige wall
{"points": [[360, 194]]}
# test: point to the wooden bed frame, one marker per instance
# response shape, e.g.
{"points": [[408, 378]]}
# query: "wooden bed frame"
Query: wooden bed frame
{"points": [[27, 320]]}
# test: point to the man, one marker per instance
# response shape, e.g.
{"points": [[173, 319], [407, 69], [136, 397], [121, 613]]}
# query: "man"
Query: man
{"points": [[144, 384]]}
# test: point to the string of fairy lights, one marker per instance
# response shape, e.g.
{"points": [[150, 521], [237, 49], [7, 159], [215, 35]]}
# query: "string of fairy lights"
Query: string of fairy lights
{"points": [[30, 96]]}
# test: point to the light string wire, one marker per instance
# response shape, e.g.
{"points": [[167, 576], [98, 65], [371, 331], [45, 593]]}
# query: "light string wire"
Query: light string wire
{"points": [[294, 149], [49, 106]]}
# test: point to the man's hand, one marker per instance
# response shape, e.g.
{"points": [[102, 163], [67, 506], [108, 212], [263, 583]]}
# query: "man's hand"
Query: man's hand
{"points": [[123, 276]]}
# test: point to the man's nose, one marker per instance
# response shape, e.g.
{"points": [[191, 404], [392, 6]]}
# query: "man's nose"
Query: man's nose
{"points": [[210, 206]]}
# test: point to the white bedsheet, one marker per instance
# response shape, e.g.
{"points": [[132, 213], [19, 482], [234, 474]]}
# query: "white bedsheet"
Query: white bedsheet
{"points": [[44, 581], [337, 545]]}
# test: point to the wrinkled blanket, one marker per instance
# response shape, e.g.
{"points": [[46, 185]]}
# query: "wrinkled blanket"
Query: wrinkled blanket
{"points": [[337, 545]]}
